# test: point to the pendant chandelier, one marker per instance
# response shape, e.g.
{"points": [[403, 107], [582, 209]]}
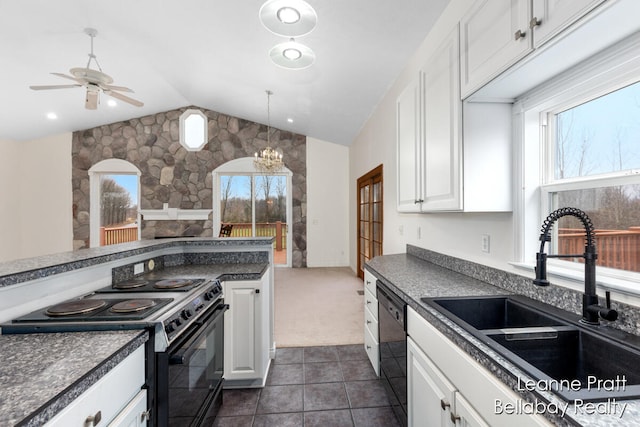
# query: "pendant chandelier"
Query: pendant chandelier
{"points": [[268, 160]]}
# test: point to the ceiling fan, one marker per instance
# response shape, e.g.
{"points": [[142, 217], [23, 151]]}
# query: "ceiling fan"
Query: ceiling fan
{"points": [[94, 80]]}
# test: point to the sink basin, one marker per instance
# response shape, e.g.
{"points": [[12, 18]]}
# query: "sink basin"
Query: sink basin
{"points": [[495, 312], [561, 355]]}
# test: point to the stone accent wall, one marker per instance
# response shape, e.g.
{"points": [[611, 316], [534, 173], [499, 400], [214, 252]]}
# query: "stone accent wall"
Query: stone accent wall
{"points": [[181, 178]]}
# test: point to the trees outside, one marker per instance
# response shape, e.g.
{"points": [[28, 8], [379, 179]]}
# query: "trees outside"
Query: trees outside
{"points": [[116, 207]]}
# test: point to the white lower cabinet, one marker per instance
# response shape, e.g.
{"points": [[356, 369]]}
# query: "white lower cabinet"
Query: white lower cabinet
{"points": [[446, 387], [247, 332], [371, 339], [115, 400]]}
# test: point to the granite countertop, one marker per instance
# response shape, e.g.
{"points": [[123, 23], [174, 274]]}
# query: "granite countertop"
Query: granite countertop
{"points": [[413, 278], [230, 271], [41, 374]]}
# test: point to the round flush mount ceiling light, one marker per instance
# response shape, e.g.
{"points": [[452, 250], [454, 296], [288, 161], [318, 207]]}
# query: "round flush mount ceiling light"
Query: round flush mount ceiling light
{"points": [[290, 18], [292, 55]]}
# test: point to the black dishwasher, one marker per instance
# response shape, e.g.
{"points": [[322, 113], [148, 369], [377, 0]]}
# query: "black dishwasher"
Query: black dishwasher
{"points": [[392, 315]]}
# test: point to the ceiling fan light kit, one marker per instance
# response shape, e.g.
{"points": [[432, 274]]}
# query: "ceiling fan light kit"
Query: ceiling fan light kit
{"points": [[289, 18], [95, 81]]}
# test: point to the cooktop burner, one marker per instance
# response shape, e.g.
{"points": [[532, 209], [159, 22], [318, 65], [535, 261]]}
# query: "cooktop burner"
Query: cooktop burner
{"points": [[75, 307], [172, 283], [153, 285], [90, 309]]}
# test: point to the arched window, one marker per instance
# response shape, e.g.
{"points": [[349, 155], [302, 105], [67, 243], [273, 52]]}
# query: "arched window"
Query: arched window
{"points": [[114, 201], [256, 205]]}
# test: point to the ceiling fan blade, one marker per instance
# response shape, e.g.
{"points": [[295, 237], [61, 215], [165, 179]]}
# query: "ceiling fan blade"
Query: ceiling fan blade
{"points": [[124, 98], [118, 88], [91, 101], [46, 87], [66, 76]]}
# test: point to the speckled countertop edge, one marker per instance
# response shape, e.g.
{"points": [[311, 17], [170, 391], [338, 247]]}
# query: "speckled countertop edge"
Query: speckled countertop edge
{"points": [[413, 278], [40, 406], [22, 270]]}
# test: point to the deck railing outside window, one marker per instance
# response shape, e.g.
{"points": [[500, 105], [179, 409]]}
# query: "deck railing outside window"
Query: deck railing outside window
{"points": [[618, 249]]}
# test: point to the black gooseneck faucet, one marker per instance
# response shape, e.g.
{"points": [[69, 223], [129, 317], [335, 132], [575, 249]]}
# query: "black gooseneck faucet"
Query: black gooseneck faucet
{"points": [[592, 312]]}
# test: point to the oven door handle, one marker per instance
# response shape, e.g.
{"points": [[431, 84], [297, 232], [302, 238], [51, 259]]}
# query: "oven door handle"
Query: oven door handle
{"points": [[185, 351]]}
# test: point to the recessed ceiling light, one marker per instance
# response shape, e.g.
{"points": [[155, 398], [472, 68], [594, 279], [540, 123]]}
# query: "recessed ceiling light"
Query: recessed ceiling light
{"points": [[52, 116], [292, 55], [112, 103], [290, 18], [288, 15]]}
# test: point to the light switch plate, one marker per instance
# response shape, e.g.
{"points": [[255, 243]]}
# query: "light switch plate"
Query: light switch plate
{"points": [[138, 268], [486, 243]]}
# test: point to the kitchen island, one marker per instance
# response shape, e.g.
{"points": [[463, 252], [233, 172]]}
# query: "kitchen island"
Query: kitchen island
{"points": [[44, 373], [423, 274]]}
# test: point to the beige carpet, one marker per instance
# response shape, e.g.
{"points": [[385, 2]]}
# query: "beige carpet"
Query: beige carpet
{"points": [[318, 306]]}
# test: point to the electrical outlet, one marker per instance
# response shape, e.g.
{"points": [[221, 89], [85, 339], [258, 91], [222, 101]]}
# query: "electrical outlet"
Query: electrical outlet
{"points": [[401, 230], [138, 268], [419, 233], [485, 243]]}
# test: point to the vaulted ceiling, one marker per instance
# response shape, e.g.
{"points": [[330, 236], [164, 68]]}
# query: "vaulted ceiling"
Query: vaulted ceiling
{"points": [[209, 53]]}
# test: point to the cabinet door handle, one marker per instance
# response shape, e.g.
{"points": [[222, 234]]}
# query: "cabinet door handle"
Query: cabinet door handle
{"points": [[444, 404], [520, 34], [534, 22], [93, 420]]}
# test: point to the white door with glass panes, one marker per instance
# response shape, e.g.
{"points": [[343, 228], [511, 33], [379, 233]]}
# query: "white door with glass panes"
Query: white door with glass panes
{"points": [[254, 205]]}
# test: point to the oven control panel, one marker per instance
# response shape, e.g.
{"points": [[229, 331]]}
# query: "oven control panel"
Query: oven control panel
{"points": [[192, 309]]}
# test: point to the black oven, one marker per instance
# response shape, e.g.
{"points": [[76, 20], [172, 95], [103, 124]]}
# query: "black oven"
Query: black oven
{"points": [[189, 372], [392, 315]]}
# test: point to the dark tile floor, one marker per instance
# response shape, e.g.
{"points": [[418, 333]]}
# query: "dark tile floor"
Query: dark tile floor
{"points": [[331, 386]]}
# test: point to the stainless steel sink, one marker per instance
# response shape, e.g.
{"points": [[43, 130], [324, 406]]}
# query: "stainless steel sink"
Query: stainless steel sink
{"points": [[570, 359]]}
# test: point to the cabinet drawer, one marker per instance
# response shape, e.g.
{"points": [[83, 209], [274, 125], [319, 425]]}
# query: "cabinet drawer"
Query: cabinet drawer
{"points": [[371, 303], [372, 348], [109, 395], [370, 282], [371, 323]]}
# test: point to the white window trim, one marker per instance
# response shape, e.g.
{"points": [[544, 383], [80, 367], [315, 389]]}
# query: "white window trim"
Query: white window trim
{"points": [[96, 172], [616, 67], [244, 166]]}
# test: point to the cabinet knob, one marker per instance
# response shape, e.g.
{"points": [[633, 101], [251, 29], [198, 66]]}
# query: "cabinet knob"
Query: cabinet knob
{"points": [[534, 22], [455, 418], [368, 302], [368, 322], [93, 420], [145, 416], [368, 282], [257, 291], [444, 404], [520, 34], [368, 347]]}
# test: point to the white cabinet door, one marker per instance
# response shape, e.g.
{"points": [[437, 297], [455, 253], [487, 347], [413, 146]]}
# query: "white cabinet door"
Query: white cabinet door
{"points": [[135, 414], [430, 395], [553, 16], [246, 330], [441, 118], [465, 415], [490, 41], [408, 149], [109, 396]]}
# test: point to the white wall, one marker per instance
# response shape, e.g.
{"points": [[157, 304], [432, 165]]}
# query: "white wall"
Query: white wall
{"points": [[10, 203], [328, 186], [456, 234], [36, 211]]}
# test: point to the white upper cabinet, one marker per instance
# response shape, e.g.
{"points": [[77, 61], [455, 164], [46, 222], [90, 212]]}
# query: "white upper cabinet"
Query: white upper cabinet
{"points": [[409, 165], [441, 128], [495, 34], [428, 135], [550, 17]]}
